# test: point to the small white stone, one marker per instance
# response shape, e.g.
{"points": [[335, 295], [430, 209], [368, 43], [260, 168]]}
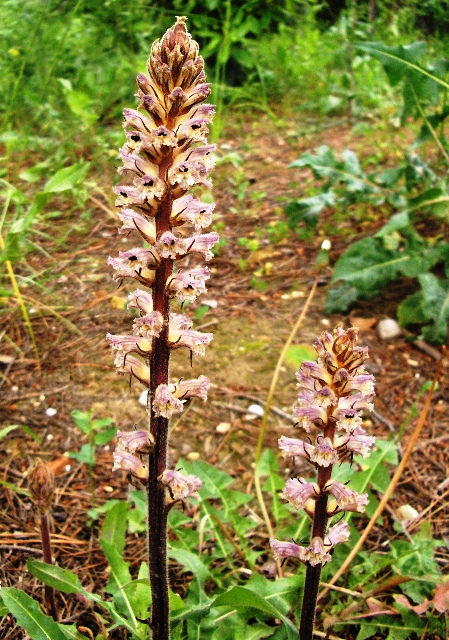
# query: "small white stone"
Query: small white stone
{"points": [[143, 398], [223, 427], [407, 512], [50, 412], [325, 322], [326, 245], [388, 328], [256, 410], [193, 455]]}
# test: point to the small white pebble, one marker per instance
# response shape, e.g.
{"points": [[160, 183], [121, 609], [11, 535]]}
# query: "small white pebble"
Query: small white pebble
{"points": [[388, 328], [407, 512], [326, 245], [325, 322], [49, 437], [193, 455], [14, 388], [32, 310], [223, 427], [412, 363], [50, 412], [298, 294], [41, 397], [256, 410]]}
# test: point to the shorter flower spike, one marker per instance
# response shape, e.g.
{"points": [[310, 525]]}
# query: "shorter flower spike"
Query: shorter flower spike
{"points": [[41, 483], [180, 486]]}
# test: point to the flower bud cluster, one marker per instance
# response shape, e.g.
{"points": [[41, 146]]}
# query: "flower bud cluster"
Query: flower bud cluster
{"points": [[333, 393], [165, 155]]}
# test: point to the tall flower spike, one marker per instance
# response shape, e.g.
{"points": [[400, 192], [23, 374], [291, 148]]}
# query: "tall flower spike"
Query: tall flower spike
{"points": [[333, 392], [164, 156]]}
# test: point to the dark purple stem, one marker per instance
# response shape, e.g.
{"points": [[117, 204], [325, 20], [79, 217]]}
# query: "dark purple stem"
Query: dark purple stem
{"points": [[49, 592], [313, 573], [156, 491]]}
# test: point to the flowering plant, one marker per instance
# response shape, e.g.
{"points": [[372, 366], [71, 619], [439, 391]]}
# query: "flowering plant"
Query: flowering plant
{"points": [[333, 393], [166, 154]]}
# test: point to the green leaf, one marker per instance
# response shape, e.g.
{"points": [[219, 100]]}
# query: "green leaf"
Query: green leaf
{"points": [[86, 455], [56, 577], [71, 632], [192, 563], [4, 432], [410, 310], [308, 209], [67, 178], [435, 305], [340, 298], [82, 420], [297, 353], [29, 616], [241, 598], [113, 530], [105, 436], [120, 584]]}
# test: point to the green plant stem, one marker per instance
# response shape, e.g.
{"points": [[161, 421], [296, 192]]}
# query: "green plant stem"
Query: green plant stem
{"points": [[46, 549], [269, 402]]}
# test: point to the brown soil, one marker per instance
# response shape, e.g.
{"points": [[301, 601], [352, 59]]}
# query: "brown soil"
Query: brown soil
{"points": [[76, 368]]}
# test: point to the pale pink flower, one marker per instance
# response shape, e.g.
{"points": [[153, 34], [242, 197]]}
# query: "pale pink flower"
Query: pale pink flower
{"points": [[134, 263], [283, 550], [165, 404], [129, 364], [324, 453], [190, 209], [294, 447], [195, 388], [356, 441], [201, 244], [142, 300], [337, 534], [188, 285], [316, 552], [132, 464], [180, 486], [298, 491], [148, 326], [170, 246], [134, 441], [129, 344], [134, 221], [345, 499]]}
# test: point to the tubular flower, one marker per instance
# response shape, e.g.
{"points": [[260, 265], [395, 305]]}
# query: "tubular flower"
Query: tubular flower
{"points": [[333, 393], [165, 154], [180, 486]]}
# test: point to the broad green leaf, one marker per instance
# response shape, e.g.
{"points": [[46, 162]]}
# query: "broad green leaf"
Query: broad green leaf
{"points": [[86, 455], [242, 598], [67, 178], [29, 616], [435, 305], [102, 437], [82, 420], [399, 60], [410, 310], [56, 577], [340, 298], [120, 584], [113, 530]]}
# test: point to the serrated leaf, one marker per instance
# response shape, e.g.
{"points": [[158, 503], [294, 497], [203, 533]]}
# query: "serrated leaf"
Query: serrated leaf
{"points": [[29, 616], [67, 178], [340, 298]]}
